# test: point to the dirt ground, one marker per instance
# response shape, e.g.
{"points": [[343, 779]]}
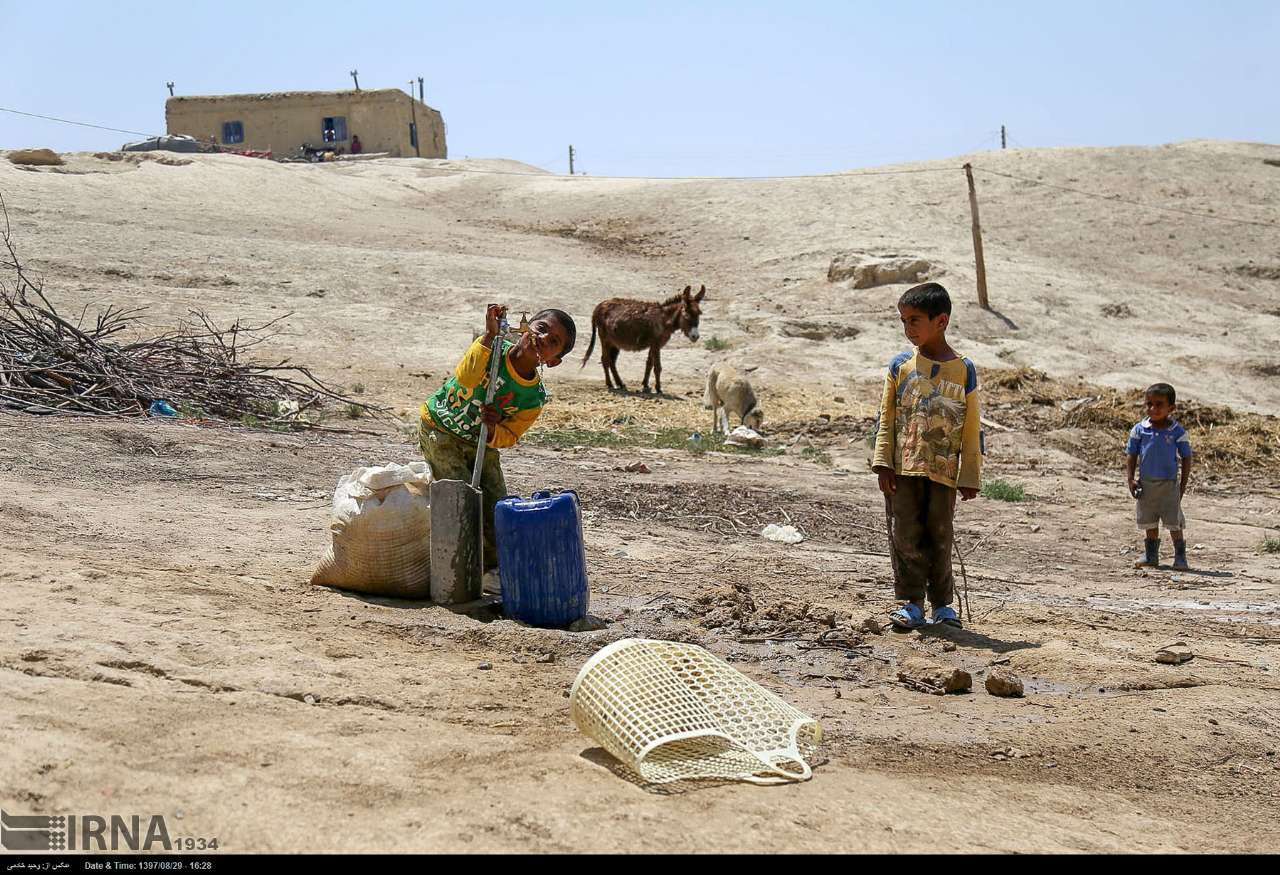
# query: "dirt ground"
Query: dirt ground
{"points": [[163, 652]]}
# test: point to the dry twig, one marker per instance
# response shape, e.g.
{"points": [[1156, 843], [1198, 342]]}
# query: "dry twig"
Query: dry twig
{"points": [[101, 366]]}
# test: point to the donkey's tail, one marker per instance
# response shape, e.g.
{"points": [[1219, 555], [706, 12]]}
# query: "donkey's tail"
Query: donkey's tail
{"points": [[592, 345]]}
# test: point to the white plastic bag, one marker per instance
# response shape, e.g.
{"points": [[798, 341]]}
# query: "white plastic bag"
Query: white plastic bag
{"points": [[745, 437], [782, 534], [381, 527]]}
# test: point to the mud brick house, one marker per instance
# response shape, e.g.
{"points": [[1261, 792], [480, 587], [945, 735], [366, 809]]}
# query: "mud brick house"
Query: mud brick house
{"points": [[388, 120]]}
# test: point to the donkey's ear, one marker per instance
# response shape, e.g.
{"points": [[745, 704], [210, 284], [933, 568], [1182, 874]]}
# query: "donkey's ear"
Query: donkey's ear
{"points": [[687, 290], [702, 293]]}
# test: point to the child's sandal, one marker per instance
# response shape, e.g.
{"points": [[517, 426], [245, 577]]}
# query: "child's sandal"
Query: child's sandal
{"points": [[908, 617], [946, 616]]}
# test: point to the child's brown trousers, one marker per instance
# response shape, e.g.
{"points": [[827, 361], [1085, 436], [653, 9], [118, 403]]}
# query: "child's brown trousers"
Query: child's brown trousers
{"points": [[922, 538]]}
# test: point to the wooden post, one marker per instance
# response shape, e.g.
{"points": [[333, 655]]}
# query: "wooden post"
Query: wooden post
{"points": [[977, 241], [413, 112], [571, 161]]}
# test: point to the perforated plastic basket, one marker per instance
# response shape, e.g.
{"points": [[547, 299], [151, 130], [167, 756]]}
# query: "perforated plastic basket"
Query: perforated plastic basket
{"points": [[671, 712]]}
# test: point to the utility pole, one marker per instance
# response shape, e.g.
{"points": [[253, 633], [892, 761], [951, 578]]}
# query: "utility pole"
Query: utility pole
{"points": [[1004, 138], [977, 241], [413, 112], [422, 91], [169, 85], [571, 161], [355, 77]]}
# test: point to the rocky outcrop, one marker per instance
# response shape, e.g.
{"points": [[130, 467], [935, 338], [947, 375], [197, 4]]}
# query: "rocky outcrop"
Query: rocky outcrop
{"points": [[869, 271]]}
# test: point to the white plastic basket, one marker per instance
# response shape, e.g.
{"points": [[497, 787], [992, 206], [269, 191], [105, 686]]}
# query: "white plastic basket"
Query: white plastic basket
{"points": [[671, 712]]}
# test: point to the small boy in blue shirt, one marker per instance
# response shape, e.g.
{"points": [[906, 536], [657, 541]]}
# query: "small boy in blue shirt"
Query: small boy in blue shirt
{"points": [[1156, 446]]}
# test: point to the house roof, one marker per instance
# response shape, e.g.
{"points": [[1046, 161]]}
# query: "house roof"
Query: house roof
{"points": [[350, 94]]}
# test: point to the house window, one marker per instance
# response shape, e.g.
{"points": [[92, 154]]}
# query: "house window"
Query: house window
{"points": [[232, 132], [413, 135], [335, 129]]}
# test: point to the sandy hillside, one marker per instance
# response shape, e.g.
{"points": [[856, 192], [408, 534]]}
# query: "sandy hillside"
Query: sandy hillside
{"points": [[162, 651]]}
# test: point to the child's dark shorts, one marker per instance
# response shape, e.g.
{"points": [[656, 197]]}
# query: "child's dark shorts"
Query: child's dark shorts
{"points": [[1160, 502]]}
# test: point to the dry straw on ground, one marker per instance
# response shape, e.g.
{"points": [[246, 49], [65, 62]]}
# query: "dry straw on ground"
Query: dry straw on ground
{"points": [[1225, 442]]}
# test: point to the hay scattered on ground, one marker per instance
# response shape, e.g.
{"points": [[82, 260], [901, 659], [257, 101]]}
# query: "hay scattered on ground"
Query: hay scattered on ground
{"points": [[1225, 442], [594, 408]]}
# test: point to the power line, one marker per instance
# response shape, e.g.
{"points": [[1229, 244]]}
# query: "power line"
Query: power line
{"points": [[521, 173], [833, 175], [1116, 199], [70, 122]]}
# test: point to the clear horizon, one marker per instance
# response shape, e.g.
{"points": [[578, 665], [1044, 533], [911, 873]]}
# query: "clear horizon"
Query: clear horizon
{"points": [[717, 90]]}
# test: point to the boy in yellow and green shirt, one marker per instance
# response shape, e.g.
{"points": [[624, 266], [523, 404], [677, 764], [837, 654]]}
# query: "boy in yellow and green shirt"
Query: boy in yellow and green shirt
{"points": [[928, 447], [450, 419]]}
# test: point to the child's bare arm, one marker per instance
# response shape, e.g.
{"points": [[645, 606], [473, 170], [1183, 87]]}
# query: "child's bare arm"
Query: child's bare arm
{"points": [[1130, 469], [1186, 475]]}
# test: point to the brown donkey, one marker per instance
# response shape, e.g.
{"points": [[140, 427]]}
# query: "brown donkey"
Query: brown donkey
{"points": [[635, 325]]}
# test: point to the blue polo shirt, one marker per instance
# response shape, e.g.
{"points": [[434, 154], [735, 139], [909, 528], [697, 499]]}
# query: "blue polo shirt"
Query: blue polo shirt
{"points": [[1159, 449]]}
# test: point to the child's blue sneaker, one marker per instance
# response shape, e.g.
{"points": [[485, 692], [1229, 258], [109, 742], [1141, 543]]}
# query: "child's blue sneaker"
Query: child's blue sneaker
{"points": [[909, 616], [946, 616]]}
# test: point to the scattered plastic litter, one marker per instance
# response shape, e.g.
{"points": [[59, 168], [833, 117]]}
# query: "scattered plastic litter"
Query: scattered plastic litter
{"points": [[745, 437], [161, 408], [782, 534]]}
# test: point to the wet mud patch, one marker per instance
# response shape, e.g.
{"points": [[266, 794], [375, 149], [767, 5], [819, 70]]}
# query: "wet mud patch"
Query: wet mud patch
{"points": [[735, 511]]}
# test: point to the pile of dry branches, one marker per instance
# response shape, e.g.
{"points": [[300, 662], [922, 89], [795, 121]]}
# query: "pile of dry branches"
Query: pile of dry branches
{"points": [[106, 366]]}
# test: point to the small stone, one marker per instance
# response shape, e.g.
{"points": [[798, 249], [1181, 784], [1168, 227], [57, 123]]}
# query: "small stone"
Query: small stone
{"points": [[309, 699], [948, 647], [872, 625], [1213, 722], [1004, 684], [589, 623], [1035, 529], [485, 666], [1174, 654]]}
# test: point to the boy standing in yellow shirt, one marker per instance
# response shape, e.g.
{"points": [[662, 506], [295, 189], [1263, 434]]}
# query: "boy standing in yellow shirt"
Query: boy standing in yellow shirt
{"points": [[928, 447], [450, 419]]}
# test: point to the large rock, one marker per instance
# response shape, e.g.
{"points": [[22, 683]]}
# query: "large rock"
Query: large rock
{"points": [[36, 157], [1003, 683], [869, 271], [932, 677]]}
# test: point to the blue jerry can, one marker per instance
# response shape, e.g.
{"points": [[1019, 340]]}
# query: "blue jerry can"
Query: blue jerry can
{"points": [[541, 559]]}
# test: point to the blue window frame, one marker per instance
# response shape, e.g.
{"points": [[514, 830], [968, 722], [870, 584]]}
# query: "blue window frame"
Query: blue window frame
{"points": [[334, 129], [232, 132]]}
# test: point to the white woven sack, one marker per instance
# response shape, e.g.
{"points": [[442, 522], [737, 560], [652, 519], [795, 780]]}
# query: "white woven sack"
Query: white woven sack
{"points": [[381, 527], [672, 712]]}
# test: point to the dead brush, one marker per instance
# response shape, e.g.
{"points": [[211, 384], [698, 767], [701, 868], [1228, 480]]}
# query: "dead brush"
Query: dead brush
{"points": [[100, 365]]}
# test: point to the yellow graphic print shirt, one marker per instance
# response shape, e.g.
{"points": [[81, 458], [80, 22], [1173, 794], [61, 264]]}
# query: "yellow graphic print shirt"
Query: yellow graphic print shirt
{"points": [[930, 421], [455, 407]]}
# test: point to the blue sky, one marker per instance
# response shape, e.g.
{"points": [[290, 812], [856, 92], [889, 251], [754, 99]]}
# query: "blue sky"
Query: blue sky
{"points": [[699, 88]]}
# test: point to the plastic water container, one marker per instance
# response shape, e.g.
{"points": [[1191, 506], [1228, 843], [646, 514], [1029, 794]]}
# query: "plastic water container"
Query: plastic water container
{"points": [[542, 559]]}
